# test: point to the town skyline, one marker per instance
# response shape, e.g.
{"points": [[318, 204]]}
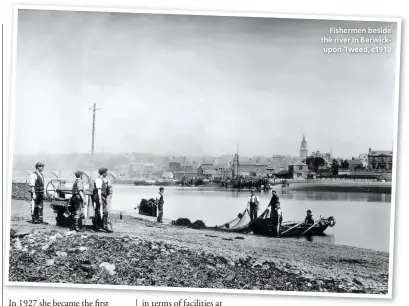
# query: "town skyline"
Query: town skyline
{"points": [[182, 154]]}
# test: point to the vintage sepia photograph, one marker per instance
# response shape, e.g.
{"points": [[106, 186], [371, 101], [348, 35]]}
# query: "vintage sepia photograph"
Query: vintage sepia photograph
{"points": [[233, 153]]}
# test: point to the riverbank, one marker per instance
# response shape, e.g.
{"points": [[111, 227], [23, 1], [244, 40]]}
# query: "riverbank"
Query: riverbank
{"points": [[329, 185], [145, 253]]}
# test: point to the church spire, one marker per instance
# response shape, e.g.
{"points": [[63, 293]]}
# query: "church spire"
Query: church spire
{"points": [[303, 148]]}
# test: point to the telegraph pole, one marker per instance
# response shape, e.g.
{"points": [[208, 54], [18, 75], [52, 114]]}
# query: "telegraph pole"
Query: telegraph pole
{"points": [[93, 137]]}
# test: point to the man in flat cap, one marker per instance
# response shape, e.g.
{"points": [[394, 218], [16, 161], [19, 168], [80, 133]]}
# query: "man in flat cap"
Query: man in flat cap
{"points": [[77, 201], [254, 205], [159, 204], [101, 191], [37, 193], [273, 202]]}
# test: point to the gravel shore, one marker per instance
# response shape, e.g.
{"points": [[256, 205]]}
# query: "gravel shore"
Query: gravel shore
{"points": [[142, 252]]}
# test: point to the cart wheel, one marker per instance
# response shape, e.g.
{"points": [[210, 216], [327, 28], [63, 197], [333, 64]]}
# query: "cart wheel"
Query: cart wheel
{"points": [[51, 190]]}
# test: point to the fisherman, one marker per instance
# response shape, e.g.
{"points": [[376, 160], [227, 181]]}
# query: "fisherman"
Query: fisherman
{"points": [[277, 217], [77, 201], [274, 200], [100, 194], [37, 193], [159, 204], [309, 219], [253, 202]]}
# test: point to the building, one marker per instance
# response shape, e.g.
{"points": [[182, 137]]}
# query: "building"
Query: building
{"points": [[354, 164], [253, 168], [123, 172], [222, 162], [214, 171], [278, 162], [141, 170], [187, 168], [303, 149], [203, 168], [211, 174], [174, 166], [380, 161], [176, 163], [299, 170], [184, 175], [270, 169], [364, 160]]}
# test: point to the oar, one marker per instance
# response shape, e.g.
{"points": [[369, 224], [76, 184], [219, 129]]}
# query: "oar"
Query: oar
{"points": [[292, 227], [311, 226]]}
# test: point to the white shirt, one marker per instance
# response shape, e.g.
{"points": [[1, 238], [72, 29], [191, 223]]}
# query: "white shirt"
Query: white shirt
{"points": [[33, 177], [99, 181], [254, 199], [158, 196]]}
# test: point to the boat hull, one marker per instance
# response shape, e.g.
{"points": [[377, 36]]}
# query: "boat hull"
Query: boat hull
{"points": [[266, 227]]}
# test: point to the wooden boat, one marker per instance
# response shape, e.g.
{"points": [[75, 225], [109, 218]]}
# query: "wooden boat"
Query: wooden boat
{"points": [[164, 183], [266, 227], [139, 182], [144, 182]]}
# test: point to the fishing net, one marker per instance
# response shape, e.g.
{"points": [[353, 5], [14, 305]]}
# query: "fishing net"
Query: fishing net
{"points": [[182, 222], [148, 207], [242, 223], [198, 224]]}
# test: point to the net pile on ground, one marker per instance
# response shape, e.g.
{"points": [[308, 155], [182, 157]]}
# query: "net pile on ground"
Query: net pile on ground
{"points": [[198, 224], [182, 222]]}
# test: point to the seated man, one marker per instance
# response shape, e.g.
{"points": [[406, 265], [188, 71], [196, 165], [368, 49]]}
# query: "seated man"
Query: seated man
{"points": [[309, 219]]}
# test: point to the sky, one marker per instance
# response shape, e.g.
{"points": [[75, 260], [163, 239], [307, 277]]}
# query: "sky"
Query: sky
{"points": [[197, 85]]}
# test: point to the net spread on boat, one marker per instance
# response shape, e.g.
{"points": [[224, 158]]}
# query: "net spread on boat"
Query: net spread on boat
{"points": [[242, 223]]}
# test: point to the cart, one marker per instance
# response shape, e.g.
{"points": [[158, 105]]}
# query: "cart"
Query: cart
{"points": [[59, 192]]}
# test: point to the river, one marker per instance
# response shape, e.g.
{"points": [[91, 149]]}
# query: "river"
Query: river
{"points": [[362, 219]]}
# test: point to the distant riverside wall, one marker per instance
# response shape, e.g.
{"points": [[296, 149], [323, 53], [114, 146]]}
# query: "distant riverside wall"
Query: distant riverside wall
{"points": [[342, 185]]}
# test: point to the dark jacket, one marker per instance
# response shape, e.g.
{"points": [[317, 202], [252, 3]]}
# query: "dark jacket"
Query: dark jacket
{"points": [[274, 200]]}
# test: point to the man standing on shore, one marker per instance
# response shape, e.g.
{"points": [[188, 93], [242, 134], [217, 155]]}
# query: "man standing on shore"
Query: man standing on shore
{"points": [[253, 201], [100, 195], [37, 193], [159, 204], [77, 200], [274, 200], [276, 217], [279, 214]]}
